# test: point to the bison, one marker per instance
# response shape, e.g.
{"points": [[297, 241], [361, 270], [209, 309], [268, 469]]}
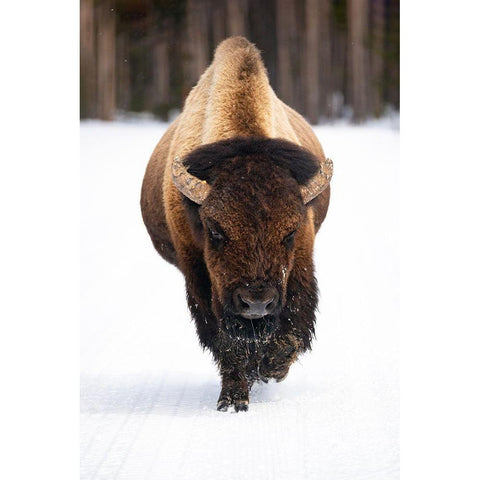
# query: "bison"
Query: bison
{"points": [[233, 196]]}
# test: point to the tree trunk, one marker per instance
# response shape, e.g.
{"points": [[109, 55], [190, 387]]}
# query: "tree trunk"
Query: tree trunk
{"points": [[237, 17], [161, 78], [378, 36], [311, 55], [285, 26], [357, 29], [262, 31], [88, 70], [218, 18], [325, 59], [106, 60], [196, 42], [392, 46], [123, 72]]}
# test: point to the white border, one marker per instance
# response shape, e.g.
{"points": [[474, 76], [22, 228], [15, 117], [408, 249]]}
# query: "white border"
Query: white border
{"points": [[39, 187], [440, 241]]}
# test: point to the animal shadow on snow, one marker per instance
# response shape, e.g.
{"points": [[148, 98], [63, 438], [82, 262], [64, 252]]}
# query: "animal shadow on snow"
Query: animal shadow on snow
{"points": [[178, 395]]}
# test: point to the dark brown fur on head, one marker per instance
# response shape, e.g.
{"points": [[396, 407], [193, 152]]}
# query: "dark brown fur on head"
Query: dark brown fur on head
{"points": [[252, 222]]}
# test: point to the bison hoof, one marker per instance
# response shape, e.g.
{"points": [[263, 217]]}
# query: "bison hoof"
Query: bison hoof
{"points": [[241, 405], [281, 377], [223, 405]]}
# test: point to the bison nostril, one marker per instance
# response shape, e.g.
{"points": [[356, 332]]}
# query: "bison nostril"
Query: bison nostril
{"points": [[243, 303], [271, 304]]}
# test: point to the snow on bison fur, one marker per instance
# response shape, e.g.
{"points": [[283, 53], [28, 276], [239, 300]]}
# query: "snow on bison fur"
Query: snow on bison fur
{"points": [[233, 195]]}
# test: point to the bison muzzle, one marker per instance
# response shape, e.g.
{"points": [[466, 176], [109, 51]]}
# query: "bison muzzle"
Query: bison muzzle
{"points": [[233, 195]]}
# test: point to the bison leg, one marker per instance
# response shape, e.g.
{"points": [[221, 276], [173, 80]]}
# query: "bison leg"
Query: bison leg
{"points": [[234, 390], [277, 359]]}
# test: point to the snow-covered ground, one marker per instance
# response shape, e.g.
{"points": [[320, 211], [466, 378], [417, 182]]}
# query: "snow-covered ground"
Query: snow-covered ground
{"points": [[148, 391]]}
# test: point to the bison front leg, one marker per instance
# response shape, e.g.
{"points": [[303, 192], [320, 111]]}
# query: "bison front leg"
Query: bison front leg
{"points": [[277, 359], [234, 386]]}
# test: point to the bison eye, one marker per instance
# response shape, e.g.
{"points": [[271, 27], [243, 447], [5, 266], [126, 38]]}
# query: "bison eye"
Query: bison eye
{"points": [[215, 234], [288, 240], [216, 239]]}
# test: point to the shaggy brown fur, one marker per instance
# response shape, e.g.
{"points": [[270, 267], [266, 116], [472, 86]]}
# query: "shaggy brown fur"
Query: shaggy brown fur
{"points": [[253, 233]]}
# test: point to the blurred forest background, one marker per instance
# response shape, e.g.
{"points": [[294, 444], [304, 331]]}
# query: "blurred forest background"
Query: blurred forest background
{"points": [[325, 58]]}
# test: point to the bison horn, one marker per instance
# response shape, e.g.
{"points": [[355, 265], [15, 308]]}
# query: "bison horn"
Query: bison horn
{"points": [[191, 186], [318, 183]]}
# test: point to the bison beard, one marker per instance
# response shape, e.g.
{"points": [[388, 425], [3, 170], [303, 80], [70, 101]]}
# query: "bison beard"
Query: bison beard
{"points": [[249, 329]]}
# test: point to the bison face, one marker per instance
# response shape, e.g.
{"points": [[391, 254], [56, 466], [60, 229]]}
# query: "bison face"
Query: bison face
{"points": [[251, 227]]}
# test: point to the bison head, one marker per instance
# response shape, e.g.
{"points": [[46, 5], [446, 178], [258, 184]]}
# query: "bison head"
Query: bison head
{"points": [[246, 202]]}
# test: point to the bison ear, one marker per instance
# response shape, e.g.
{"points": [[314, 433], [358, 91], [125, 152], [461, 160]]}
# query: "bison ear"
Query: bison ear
{"points": [[191, 186], [317, 184]]}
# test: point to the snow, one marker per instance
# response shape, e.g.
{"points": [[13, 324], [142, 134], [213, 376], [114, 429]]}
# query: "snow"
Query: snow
{"points": [[148, 391]]}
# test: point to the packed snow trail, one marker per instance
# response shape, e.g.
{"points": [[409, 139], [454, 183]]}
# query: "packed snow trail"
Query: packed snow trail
{"points": [[148, 391]]}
